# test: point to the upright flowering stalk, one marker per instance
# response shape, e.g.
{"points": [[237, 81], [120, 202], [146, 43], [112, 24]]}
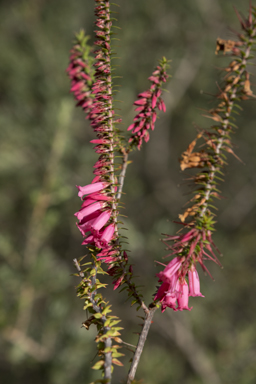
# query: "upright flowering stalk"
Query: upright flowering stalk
{"points": [[98, 214], [196, 244], [97, 218]]}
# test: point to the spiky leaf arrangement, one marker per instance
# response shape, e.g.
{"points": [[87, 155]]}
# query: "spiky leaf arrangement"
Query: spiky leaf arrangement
{"points": [[194, 244], [99, 309]]}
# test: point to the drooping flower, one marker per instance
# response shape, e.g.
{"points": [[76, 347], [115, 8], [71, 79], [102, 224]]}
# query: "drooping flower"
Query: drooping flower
{"points": [[170, 301], [194, 283], [182, 296], [170, 269], [174, 288], [169, 291]]}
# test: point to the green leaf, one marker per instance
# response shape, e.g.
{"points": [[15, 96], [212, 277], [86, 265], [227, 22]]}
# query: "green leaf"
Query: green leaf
{"points": [[98, 365], [106, 310], [117, 354], [112, 333], [87, 306], [110, 323], [98, 315]]}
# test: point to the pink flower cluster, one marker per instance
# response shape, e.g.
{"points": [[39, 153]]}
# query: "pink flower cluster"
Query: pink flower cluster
{"points": [[175, 289], [190, 248], [94, 214], [146, 107]]}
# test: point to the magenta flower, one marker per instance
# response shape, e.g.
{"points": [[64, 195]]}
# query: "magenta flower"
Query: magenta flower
{"points": [[118, 282], [170, 300], [162, 290], [171, 268], [86, 227], [88, 240], [174, 288], [86, 211], [91, 188], [101, 220], [182, 297], [171, 292], [106, 236], [194, 283]]}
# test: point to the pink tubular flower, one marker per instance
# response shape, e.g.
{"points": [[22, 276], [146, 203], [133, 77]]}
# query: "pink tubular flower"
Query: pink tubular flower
{"points": [[171, 268], [170, 300], [85, 227], [99, 196], [91, 188], [106, 236], [86, 211], [101, 220], [168, 293], [174, 287], [190, 248], [161, 293], [118, 282], [88, 240], [182, 298], [194, 283], [108, 255]]}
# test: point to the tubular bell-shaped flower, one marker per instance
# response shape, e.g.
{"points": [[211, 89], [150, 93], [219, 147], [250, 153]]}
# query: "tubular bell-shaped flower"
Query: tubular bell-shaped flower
{"points": [[174, 288], [182, 298], [194, 283]]}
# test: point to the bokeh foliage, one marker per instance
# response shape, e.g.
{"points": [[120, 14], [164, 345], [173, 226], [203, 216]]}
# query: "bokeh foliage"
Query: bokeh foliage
{"points": [[45, 153]]}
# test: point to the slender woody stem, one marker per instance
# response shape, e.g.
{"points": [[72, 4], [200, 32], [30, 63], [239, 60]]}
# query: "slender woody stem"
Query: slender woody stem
{"points": [[140, 345]]}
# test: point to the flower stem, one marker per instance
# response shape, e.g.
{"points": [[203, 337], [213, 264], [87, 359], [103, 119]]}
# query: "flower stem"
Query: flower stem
{"points": [[140, 345]]}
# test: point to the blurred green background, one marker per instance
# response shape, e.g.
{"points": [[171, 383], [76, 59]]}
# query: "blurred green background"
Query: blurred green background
{"points": [[45, 153]]}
